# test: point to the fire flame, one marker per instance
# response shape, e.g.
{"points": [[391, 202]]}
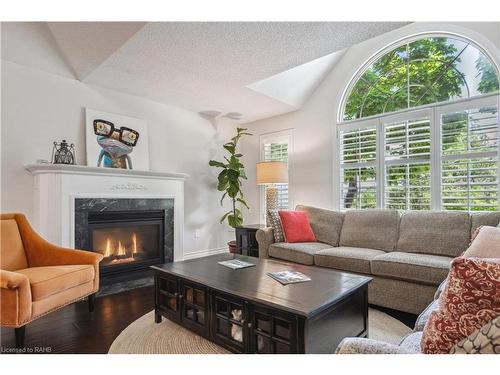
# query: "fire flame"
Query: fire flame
{"points": [[121, 250], [134, 243], [107, 252]]}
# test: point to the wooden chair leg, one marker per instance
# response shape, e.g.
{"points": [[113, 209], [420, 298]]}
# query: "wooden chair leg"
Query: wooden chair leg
{"points": [[20, 333], [91, 302]]}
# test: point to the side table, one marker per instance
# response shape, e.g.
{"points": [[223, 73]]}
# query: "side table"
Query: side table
{"points": [[246, 244]]}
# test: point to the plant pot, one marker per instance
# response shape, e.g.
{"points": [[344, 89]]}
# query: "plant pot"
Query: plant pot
{"points": [[232, 246]]}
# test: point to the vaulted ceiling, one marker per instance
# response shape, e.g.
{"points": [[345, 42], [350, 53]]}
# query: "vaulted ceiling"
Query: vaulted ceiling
{"points": [[257, 69]]}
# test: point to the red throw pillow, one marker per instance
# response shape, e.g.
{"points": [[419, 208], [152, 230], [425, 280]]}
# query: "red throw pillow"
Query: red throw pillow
{"points": [[470, 300], [296, 227]]}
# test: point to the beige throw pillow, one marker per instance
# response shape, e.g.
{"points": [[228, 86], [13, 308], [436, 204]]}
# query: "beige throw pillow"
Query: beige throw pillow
{"points": [[483, 341], [486, 244]]}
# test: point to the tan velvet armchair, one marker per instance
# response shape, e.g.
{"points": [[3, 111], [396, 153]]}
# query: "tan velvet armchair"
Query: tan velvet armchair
{"points": [[37, 277]]}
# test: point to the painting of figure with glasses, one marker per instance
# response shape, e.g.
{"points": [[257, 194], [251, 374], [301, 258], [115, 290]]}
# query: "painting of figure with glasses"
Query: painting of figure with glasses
{"points": [[116, 144], [116, 140]]}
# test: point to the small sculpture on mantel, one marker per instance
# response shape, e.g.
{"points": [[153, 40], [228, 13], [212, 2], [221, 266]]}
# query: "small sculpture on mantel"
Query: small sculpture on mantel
{"points": [[63, 153]]}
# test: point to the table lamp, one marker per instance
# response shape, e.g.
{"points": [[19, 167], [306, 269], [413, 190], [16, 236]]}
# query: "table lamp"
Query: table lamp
{"points": [[270, 173]]}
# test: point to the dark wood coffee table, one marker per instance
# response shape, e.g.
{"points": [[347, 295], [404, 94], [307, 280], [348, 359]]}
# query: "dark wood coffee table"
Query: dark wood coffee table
{"points": [[246, 311]]}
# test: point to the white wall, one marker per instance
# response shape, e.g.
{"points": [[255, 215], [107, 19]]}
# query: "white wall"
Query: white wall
{"points": [[314, 125], [38, 108]]}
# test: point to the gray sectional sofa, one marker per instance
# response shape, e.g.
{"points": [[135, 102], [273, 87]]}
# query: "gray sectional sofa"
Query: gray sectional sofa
{"points": [[408, 255]]}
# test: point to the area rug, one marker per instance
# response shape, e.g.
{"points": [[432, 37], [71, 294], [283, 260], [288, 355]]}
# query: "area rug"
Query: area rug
{"points": [[144, 336]]}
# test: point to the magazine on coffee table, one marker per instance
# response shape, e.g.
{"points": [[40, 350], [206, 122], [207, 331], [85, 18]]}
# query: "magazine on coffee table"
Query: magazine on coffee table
{"points": [[236, 264], [289, 277]]}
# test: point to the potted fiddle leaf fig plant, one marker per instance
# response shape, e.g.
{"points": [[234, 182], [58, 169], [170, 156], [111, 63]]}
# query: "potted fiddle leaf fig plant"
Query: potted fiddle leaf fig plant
{"points": [[230, 180]]}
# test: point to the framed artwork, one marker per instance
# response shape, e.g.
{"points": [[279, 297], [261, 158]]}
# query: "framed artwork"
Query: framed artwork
{"points": [[116, 141]]}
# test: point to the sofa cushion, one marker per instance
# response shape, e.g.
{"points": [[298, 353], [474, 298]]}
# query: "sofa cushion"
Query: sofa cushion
{"points": [[422, 268], [424, 316], [440, 289], [491, 219], [11, 246], [438, 233], [354, 259], [326, 224], [374, 229], [301, 252], [469, 301], [411, 342], [49, 280], [486, 244]]}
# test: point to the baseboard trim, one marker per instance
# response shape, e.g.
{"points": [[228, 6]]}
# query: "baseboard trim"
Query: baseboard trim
{"points": [[204, 253]]}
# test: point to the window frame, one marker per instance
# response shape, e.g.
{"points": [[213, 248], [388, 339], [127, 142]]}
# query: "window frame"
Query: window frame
{"points": [[433, 111], [285, 135]]}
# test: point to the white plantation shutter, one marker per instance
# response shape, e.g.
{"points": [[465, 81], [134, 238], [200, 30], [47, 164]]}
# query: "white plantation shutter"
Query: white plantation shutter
{"points": [[278, 151], [407, 152], [469, 169], [358, 167]]}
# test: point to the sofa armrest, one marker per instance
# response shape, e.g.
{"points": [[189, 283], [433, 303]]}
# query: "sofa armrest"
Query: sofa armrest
{"points": [[355, 345], [264, 237], [15, 298]]}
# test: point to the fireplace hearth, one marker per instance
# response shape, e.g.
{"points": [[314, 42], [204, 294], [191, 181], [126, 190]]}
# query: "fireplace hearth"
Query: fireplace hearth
{"points": [[131, 234]]}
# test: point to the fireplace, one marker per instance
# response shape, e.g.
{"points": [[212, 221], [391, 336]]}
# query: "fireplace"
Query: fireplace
{"points": [[128, 240], [131, 233]]}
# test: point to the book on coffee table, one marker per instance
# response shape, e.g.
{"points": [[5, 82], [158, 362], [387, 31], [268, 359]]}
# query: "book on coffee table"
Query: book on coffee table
{"points": [[289, 277], [235, 264]]}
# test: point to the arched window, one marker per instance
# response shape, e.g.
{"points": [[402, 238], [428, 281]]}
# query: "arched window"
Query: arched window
{"points": [[420, 129], [424, 71]]}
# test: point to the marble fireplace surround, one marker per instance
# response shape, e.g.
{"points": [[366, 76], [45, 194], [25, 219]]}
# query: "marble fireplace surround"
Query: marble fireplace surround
{"points": [[58, 186], [85, 205]]}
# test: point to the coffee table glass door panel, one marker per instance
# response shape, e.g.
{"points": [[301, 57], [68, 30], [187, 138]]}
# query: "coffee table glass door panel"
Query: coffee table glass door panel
{"points": [[194, 306], [271, 332], [229, 324], [168, 296]]}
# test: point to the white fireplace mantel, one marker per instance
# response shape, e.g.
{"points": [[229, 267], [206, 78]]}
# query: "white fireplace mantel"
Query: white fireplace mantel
{"points": [[57, 186]]}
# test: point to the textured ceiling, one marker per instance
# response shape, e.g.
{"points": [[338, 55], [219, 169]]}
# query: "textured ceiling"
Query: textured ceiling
{"points": [[205, 66]]}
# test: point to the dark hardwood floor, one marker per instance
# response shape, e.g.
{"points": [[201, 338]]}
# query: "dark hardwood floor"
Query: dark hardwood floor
{"points": [[74, 330]]}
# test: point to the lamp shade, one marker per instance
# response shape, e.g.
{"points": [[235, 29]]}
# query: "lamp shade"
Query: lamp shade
{"points": [[272, 172]]}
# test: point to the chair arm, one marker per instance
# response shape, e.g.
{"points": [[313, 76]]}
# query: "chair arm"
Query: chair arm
{"points": [[51, 255], [355, 345], [42, 253], [264, 237], [15, 299], [12, 280]]}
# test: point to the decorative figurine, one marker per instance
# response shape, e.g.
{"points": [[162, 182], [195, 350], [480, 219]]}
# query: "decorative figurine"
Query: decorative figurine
{"points": [[63, 153]]}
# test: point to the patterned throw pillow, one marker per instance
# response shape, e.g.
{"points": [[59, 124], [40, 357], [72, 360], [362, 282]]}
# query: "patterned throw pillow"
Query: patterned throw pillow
{"points": [[483, 341], [273, 219], [470, 300]]}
